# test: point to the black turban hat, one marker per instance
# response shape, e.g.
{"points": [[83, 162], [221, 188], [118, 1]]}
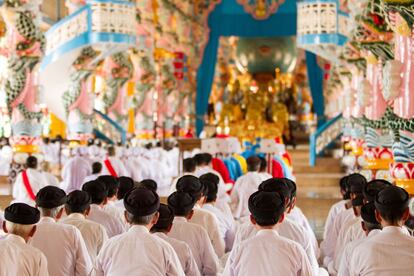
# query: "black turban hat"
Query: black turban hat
{"points": [[141, 202], [373, 188], [22, 213], [50, 197], [356, 183], [181, 202], [276, 185], [166, 217], [266, 205], [368, 213], [391, 198], [190, 184], [78, 201]]}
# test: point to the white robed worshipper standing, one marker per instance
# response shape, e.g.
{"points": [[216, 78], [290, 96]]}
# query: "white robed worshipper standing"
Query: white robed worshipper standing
{"points": [[244, 187], [206, 219], [6, 157], [194, 235], [112, 165], [96, 172], [257, 256], [77, 208], [390, 252], [28, 183], [62, 244], [156, 257], [74, 171], [98, 193], [162, 228], [17, 257]]}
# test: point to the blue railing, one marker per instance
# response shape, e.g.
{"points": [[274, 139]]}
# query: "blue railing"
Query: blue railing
{"points": [[122, 132], [323, 137]]}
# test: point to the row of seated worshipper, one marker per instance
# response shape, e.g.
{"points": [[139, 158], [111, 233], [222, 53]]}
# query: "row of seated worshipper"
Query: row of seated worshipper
{"points": [[366, 232], [115, 226]]}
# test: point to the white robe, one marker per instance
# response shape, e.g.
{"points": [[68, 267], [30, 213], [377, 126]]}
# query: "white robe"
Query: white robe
{"points": [[117, 165], [74, 172], [137, 252], [63, 247], [91, 177], [183, 251], [198, 241], [20, 259], [37, 181], [113, 225], [257, 256], [244, 187], [210, 223], [226, 224], [51, 179], [93, 233], [390, 252]]}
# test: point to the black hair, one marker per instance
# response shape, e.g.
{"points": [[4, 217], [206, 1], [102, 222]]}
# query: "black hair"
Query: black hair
{"points": [[126, 184], [96, 167], [31, 162], [267, 222], [189, 165], [111, 183], [149, 184], [263, 164], [97, 191], [343, 184], [392, 215], [208, 158], [253, 164], [200, 159]]}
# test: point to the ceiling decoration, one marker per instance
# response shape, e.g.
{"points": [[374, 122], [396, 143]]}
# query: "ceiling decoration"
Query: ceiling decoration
{"points": [[261, 9]]}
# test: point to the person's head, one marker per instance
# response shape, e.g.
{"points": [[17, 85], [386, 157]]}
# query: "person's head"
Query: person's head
{"points": [[391, 205], [111, 151], [263, 164], [31, 162], [97, 191], [277, 185], [373, 188], [91, 142], [111, 184], [266, 209], [253, 164], [343, 184], [292, 188], [369, 221], [200, 160], [165, 220], [208, 158], [141, 207], [189, 165], [20, 220], [211, 190], [50, 201], [96, 167], [182, 204], [78, 202], [192, 185], [357, 204], [126, 184], [149, 184], [356, 183], [46, 140]]}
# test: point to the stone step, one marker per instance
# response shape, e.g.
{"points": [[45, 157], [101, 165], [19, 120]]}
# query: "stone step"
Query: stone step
{"points": [[305, 168], [318, 179], [4, 201]]}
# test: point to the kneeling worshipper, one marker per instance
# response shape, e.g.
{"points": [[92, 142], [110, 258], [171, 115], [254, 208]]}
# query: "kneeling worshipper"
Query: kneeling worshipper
{"points": [[62, 244], [16, 256], [288, 228], [112, 186], [267, 253], [194, 235], [126, 184], [390, 252], [162, 228], [193, 186], [77, 208], [138, 252], [75, 171], [98, 192], [114, 166], [96, 172], [370, 226], [28, 183]]}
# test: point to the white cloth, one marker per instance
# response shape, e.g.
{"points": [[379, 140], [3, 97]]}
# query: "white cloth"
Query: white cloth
{"points": [[287, 229], [222, 195], [91, 177], [184, 253], [37, 181], [257, 256], [137, 252], [6, 157], [347, 252], [297, 215], [51, 179], [93, 233], [74, 172], [198, 241], [226, 225], [244, 187], [63, 247], [51, 153], [329, 247], [210, 223], [390, 252], [113, 225], [20, 259], [117, 165], [265, 176]]}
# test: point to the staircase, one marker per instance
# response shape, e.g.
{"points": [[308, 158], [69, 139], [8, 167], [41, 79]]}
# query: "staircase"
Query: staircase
{"points": [[317, 187]]}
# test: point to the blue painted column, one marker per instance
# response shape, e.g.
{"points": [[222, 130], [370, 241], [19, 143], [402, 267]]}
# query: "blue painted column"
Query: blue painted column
{"points": [[315, 77]]}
